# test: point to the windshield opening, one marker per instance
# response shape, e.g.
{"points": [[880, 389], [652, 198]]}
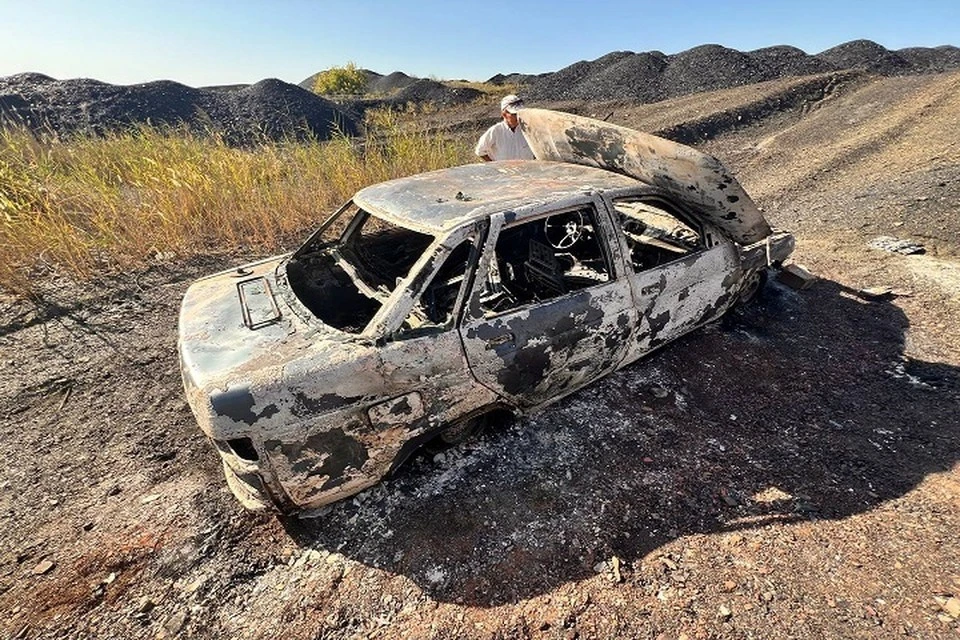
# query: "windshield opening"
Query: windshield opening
{"points": [[345, 279], [382, 252]]}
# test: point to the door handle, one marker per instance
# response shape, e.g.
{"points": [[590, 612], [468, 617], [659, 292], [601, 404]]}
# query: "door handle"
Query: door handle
{"points": [[499, 340]]}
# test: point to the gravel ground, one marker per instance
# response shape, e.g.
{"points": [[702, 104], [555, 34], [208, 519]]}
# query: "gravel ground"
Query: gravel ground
{"points": [[242, 115]]}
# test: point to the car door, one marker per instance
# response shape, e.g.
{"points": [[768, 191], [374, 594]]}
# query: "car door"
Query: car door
{"points": [[549, 312], [426, 379], [681, 271]]}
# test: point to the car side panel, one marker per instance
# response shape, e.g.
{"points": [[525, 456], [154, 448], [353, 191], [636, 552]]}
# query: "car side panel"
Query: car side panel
{"points": [[436, 367], [674, 298]]}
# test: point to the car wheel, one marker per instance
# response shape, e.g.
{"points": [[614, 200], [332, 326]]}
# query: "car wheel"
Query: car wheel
{"points": [[752, 287], [462, 430], [249, 496]]}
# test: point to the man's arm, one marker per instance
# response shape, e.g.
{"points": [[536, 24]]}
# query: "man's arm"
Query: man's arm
{"points": [[485, 145]]}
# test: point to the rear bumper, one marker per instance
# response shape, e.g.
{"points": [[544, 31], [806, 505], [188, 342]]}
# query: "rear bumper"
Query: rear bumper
{"points": [[771, 251]]}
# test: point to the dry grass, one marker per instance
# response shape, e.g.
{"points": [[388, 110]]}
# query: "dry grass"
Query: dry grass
{"points": [[84, 206]]}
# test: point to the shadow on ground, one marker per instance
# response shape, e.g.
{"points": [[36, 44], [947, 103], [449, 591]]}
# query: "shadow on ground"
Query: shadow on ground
{"points": [[803, 408]]}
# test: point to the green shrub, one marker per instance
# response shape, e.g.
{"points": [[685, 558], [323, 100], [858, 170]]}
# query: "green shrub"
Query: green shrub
{"points": [[345, 80]]}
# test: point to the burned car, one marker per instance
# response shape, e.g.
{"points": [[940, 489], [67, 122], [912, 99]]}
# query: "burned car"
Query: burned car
{"points": [[428, 302]]}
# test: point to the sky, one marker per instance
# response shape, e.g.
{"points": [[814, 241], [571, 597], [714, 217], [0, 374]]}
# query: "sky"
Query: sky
{"points": [[214, 42]]}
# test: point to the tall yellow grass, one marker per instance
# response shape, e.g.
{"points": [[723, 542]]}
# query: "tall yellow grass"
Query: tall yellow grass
{"points": [[84, 206]]}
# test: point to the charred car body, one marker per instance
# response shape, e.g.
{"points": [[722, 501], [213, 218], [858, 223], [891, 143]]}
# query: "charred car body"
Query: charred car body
{"points": [[428, 302]]}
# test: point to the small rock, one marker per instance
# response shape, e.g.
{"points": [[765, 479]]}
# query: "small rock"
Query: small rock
{"points": [[728, 498], [175, 623], [659, 392], [43, 567], [894, 245], [952, 607], [734, 539], [153, 497], [729, 586], [145, 605], [876, 293], [194, 586], [796, 277], [724, 612], [110, 578]]}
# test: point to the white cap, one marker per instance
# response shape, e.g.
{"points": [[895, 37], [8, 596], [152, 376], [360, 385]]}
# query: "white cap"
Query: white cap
{"points": [[511, 104]]}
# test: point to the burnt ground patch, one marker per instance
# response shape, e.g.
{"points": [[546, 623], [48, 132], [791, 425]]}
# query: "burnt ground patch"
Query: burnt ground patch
{"points": [[796, 412]]}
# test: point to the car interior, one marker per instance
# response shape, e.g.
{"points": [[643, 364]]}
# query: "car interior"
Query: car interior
{"points": [[655, 234], [544, 258]]}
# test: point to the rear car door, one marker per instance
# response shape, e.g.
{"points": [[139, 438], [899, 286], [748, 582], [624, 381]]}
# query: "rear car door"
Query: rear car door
{"points": [[682, 272]]}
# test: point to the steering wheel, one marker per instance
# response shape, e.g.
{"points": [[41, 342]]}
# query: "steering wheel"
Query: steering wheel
{"points": [[564, 230]]}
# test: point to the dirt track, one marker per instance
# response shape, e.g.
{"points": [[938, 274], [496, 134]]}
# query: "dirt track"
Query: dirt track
{"points": [[793, 474]]}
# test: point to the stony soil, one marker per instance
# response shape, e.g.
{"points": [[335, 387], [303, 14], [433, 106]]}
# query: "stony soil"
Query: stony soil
{"points": [[792, 473]]}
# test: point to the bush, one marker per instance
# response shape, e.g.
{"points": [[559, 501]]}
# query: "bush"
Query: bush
{"points": [[346, 80]]}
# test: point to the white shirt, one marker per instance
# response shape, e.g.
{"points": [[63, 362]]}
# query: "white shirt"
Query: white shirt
{"points": [[500, 143]]}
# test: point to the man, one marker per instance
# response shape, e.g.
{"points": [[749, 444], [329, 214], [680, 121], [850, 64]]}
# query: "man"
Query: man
{"points": [[504, 141]]}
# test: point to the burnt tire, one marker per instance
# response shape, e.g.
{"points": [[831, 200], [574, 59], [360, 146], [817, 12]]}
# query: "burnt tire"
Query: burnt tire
{"points": [[748, 294], [253, 498], [752, 288], [462, 430]]}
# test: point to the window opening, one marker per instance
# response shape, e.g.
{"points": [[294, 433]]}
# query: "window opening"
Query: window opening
{"points": [[345, 281], [543, 259], [655, 234]]}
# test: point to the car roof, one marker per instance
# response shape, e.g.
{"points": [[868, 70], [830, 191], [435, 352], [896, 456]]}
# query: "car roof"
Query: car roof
{"points": [[443, 200]]}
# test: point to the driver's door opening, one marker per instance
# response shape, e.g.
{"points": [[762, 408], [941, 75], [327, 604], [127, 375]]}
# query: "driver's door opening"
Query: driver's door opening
{"points": [[545, 258]]}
